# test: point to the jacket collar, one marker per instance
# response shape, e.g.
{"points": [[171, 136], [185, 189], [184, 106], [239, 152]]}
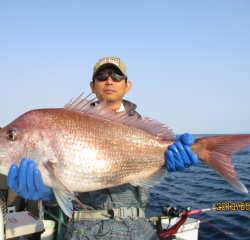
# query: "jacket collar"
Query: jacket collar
{"points": [[129, 106]]}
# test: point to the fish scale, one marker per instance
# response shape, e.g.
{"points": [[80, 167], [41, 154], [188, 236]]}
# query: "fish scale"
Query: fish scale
{"points": [[102, 156], [78, 151]]}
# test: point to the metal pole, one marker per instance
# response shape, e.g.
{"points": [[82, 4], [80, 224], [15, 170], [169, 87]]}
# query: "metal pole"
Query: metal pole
{"points": [[41, 210]]}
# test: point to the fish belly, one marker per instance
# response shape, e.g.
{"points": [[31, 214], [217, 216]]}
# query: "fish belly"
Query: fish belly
{"points": [[93, 153]]}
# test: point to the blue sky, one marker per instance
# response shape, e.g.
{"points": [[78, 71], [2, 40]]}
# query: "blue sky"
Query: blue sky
{"points": [[188, 61]]}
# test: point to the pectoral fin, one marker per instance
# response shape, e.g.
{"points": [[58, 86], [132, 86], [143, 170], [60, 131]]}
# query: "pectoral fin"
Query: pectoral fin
{"points": [[63, 196]]}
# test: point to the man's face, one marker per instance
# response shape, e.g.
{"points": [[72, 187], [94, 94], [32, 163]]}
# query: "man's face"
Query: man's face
{"points": [[110, 90]]}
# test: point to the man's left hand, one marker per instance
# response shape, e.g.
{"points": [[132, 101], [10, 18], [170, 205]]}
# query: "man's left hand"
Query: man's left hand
{"points": [[180, 157]]}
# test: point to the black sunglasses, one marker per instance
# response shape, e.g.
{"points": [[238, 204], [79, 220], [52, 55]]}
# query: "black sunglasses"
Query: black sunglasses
{"points": [[114, 76]]}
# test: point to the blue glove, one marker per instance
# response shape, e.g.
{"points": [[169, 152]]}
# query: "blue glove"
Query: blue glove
{"points": [[28, 182], [180, 157]]}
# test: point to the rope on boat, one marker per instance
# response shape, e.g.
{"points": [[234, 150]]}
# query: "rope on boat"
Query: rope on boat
{"points": [[3, 202], [221, 229], [214, 227]]}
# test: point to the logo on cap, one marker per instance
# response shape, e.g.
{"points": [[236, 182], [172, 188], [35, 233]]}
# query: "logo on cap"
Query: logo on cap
{"points": [[109, 60]]}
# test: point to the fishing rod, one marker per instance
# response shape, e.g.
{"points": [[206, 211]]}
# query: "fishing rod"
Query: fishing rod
{"points": [[171, 212], [201, 210]]}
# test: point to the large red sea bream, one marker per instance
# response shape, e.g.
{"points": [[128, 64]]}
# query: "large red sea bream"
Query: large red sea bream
{"points": [[82, 148]]}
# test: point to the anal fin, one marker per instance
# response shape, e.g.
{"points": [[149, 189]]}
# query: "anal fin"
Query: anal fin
{"points": [[152, 180]]}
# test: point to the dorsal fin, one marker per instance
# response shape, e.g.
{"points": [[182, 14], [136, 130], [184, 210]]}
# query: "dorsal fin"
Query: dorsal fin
{"points": [[102, 110]]}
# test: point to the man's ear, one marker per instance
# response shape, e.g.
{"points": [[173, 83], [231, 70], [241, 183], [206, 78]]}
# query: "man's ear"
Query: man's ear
{"points": [[128, 87], [92, 87]]}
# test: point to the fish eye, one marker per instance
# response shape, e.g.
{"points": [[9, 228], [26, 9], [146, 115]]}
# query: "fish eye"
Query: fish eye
{"points": [[11, 136]]}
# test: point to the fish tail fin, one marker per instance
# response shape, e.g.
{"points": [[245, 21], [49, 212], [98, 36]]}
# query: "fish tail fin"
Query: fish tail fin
{"points": [[216, 151]]}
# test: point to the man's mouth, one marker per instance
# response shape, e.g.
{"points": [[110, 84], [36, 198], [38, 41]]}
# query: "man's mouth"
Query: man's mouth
{"points": [[108, 90]]}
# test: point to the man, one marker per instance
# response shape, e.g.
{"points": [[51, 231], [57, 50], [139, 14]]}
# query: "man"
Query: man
{"points": [[119, 211]]}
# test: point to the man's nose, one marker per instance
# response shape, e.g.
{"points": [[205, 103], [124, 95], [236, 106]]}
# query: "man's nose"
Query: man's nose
{"points": [[109, 81]]}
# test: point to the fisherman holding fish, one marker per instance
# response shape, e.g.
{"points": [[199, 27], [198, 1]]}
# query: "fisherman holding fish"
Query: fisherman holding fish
{"points": [[119, 211]]}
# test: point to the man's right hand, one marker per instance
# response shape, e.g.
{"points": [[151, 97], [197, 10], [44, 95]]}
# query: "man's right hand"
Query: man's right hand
{"points": [[27, 181]]}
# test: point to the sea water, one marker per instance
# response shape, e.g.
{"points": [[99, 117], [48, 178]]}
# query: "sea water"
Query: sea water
{"points": [[200, 187]]}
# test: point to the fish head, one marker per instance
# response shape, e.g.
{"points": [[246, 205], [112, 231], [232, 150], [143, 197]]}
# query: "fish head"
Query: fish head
{"points": [[21, 138]]}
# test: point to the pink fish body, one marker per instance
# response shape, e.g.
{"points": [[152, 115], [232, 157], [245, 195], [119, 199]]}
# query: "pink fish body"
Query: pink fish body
{"points": [[96, 148], [88, 152]]}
